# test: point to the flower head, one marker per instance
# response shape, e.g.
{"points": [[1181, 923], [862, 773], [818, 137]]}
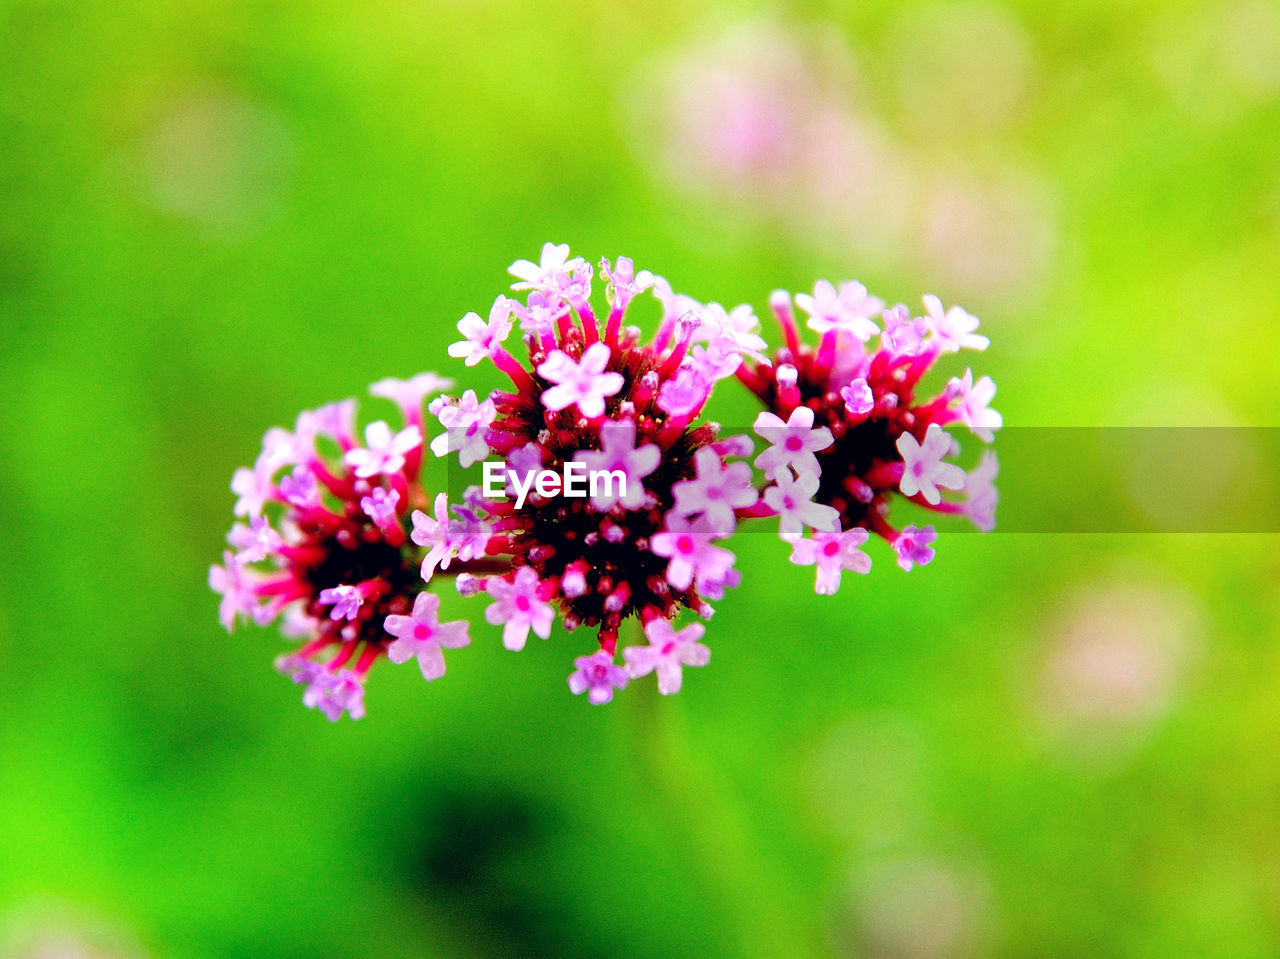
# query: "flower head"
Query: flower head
{"points": [[593, 392], [325, 550], [849, 415]]}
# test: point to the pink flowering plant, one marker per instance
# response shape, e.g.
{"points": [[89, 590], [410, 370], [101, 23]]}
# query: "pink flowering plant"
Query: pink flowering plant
{"points": [[339, 540]]}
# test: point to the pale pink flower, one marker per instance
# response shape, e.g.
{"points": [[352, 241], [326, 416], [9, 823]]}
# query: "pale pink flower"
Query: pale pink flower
{"points": [[924, 471]]}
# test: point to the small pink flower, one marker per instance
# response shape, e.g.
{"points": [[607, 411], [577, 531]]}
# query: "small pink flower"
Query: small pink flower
{"points": [[384, 452], [980, 490], [734, 329], [465, 423], [953, 329], [791, 443], [833, 553], [409, 394], [974, 409], [541, 314], [858, 397], [598, 676], [718, 489], [236, 586], [903, 333], [624, 283], [434, 534], [380, 505], [912, 546], [299, 488], [618, 452], [336, 421], [256, 541], [480, 339], [923, 468], [333, 693], [518, 608], [792, 499], [691, 554], [668, 651], [253, 487], [346, 601], [421, 634], [685, 394], [584, 383], [544, 275], [848, 311]]}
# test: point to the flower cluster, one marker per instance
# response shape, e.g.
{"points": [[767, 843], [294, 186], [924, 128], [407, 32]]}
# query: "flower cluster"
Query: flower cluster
{"points": [[593, 392], [323, 546], [340, 540], [847, 432]]}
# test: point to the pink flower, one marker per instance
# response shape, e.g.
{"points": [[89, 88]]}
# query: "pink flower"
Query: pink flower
{"points": [[848, 311], [792, 499], [409, 394], [545, 275], [974, 409], [668, 651], [858, 398], [618, 452], [718, 489], [421, 634], [299, 488], [952, 329], [253, 487], [903, 333], [334, 693], [598, 676], [384, 451], [336, 421], [465, 423], [684, 395], [791, 443], [624, 282], [434, 534], [542, 313], [518, 608], [236, 585], [380, 505], [346, 601], [256, 541], [481, 339], [692, 556], [980, 490], [734, 330], [912, 546], [584, 383], [923, 469], [833, 553]]}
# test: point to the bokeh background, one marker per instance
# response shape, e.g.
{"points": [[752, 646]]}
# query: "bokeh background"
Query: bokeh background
{"points": [[218, 212]]}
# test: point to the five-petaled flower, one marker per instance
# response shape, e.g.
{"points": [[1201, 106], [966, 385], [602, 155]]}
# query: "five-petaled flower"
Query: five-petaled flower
{"points": [[598, 676], [583, 382], [421, 634], [668, 652]]}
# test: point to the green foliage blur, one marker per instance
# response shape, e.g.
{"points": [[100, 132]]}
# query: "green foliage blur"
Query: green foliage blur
{"points": [[216, 213]]}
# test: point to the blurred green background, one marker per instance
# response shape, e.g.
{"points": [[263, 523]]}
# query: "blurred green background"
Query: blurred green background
{"points": [[216, 213]]}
